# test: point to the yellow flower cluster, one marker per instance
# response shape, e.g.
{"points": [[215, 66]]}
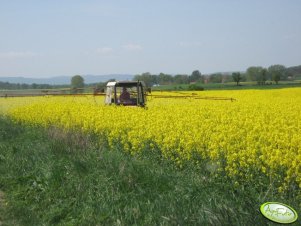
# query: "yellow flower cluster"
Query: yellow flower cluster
{"points": [[260, 132]]}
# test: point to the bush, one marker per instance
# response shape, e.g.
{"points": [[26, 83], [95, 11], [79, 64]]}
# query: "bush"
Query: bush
{"points": [[196, 87]]}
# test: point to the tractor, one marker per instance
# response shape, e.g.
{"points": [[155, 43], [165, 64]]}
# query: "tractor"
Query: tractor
{"points": [[127, 93]]}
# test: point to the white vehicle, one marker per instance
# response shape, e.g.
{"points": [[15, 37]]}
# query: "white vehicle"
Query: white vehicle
{"points": [[127, 93]]}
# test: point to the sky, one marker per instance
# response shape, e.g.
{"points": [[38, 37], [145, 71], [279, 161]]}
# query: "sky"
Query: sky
{"points": [[68, 37]]}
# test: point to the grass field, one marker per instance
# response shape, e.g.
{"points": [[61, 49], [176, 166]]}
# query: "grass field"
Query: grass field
{"points": [[74, 161], [49, 177]]}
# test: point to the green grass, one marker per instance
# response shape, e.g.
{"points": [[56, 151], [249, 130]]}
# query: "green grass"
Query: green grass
{"points": [[51, 177]]}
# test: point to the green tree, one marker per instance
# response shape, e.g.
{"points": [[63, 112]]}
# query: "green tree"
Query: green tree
{"points": [[277, 72], [181, 79], [147, 77], [236, 77], [195, 76], [164, 79], [263, 76], [258, 74], [216, 78], [253, 73], [77, 83]]}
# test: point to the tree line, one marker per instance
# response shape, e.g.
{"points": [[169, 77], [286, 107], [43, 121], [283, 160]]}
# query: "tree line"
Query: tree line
{"points": [[13, 86], [261, 75], [77, 81]]}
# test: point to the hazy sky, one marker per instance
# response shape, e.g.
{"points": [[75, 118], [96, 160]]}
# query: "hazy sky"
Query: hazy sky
{"points": [[43, 38]]}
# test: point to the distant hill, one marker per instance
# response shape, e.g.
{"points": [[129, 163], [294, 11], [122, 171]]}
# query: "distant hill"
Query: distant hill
{"points": [[65, 80]]}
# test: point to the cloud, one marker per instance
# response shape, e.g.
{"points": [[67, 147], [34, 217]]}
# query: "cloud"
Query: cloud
{"points": [[132, 47], [17, 54], [104, 50]]}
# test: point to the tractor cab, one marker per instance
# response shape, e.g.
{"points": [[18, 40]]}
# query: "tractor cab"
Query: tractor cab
{"points": [[127, 93]]}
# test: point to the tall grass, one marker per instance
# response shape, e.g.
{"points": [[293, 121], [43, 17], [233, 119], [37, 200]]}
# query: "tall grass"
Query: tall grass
{"points": [[51, 177]]}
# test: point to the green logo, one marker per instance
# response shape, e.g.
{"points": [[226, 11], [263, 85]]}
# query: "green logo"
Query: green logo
{"points": [[278, 212]]}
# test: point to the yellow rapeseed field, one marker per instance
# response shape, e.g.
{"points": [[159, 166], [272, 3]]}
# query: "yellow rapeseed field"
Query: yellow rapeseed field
{"points": [[259, 133]]}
